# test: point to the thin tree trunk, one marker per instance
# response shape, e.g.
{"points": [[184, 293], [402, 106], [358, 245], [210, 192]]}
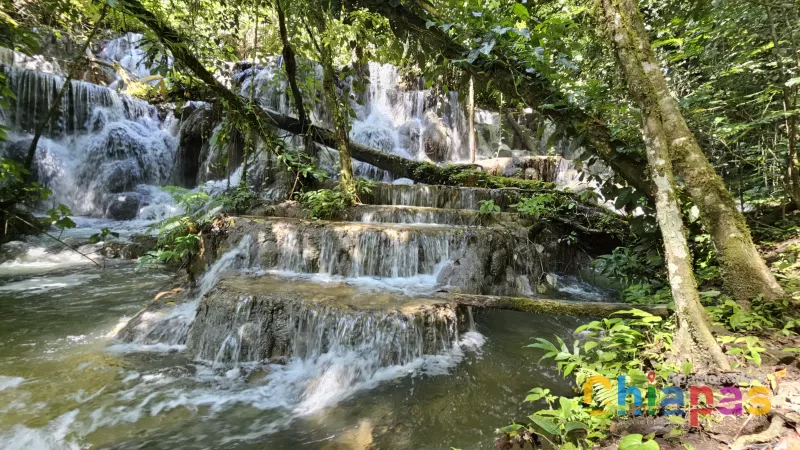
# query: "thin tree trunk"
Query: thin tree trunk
{"points": [[67, 82], [341, 123], [290, 65], [473, 154], [694, 340]]}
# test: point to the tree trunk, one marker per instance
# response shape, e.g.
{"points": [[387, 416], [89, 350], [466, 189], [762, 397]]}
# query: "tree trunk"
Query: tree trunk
{"points": [[528, 142], [341, 123], [473, 154], [744, 272], [290, 65], [548, 306], [694, 340]]}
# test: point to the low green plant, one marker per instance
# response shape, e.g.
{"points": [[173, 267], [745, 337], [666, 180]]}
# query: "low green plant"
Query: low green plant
{"points": [[324, 203], [538, 205], [238, 200], [487, 207], [180, 236], [632, 343], [746, 347], [365, 187]]}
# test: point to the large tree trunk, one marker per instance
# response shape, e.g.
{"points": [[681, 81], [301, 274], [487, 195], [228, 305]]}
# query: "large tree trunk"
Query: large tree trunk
{"points": [[745, 273], [743, 270], [694, 340], [290, 65]]}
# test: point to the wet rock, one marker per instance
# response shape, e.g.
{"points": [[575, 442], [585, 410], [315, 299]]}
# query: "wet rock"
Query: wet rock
{"points": [[409, 135], [266, 318], [123, 206], [13, 250], [196, 129], [133, 249], [435, 138], [504, 152]]}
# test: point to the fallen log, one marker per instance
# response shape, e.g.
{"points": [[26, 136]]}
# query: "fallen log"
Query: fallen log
{"points": [[549, 306]]}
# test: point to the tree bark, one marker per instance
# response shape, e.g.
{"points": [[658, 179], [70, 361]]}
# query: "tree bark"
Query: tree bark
{"points": [[693, 340], [744, 272]]}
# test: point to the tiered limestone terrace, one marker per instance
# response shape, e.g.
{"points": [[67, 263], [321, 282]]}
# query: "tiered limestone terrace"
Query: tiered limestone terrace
{"points": [[246, 319]]}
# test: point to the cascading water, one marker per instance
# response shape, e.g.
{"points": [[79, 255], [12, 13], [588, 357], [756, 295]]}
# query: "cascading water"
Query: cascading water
{"points": [[101, 144]]}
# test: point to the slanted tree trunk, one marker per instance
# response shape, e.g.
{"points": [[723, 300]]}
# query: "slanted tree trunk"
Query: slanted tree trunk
{"points": [[744, 272], [624, 26]]}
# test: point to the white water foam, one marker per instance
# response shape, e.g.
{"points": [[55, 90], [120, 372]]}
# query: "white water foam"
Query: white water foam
{"points": [[10, 382], [43, 284]]}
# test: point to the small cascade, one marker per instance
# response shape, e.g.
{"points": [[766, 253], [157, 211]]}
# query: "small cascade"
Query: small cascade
{"points": [[36, 92], [355, 250], [101, 144], [170, 326], [253, 320], [443, 197], [413, 215]]}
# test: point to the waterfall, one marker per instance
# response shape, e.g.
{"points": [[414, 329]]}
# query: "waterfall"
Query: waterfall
{"points": [[100, 144], [355, 251]]}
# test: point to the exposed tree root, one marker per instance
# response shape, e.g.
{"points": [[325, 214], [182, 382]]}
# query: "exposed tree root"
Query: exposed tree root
{"points": [[773, 432]]}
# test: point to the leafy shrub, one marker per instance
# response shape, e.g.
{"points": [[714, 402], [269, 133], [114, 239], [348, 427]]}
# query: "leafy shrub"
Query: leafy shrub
{"points": [[324, 203]]}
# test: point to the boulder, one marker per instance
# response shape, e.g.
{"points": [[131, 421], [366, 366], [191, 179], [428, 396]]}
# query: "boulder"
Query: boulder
{"points": [[124, 206], [435, 138], [13, 250], [195, 132]]}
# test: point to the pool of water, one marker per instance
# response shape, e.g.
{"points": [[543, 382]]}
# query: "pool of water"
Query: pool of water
{"points": [[64, 385]]}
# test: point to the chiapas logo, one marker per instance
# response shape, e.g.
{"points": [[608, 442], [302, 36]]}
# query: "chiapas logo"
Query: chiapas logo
{"points": [[673, 402]]}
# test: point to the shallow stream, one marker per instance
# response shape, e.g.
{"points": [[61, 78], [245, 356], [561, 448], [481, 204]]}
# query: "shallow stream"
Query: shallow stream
{"points": [[64, 384]]}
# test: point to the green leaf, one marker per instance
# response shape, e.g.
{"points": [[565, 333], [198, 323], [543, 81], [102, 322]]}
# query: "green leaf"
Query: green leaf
{"points": [[547, 425], [566, 406], [793, 81], [520, 11], [634, 442], [571, 426]]}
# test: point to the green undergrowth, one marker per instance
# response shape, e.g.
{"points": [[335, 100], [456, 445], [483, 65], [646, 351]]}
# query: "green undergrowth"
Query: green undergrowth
{"points": [[631, 344]]}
